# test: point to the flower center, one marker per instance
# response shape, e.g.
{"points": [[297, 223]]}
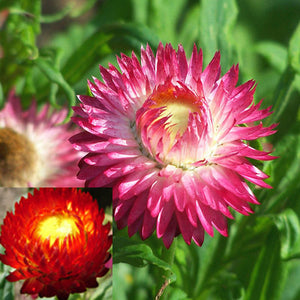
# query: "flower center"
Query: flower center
{"points": [[170, 124], [176, 105], [17, 158], [57, 227]]}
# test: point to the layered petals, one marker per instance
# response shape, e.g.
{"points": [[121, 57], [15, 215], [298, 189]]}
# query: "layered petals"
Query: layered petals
{"points": [[56, 241], [34, 147], [172, 140]]}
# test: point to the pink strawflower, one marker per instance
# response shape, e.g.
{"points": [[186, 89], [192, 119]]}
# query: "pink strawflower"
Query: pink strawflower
{"points": [[34, 147], [169, 138]]}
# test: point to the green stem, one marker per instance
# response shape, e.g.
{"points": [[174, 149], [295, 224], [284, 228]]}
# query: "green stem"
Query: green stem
{"points": [[164, 276]]}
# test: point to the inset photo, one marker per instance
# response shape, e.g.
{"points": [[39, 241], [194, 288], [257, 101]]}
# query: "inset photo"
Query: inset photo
{"points": [[55, 243]]}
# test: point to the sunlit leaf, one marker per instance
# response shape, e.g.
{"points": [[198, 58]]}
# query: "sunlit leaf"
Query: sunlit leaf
{"points": [[267, 276], [189, 31], [294, 50], [217, 18], [288, 224], [275, 53], [164, 18], [137, 254], [284, 173], [6, 287], [283, 91], [91, 50], [55, 76]]}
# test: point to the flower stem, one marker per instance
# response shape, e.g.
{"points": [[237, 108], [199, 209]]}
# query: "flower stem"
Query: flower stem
{"points": [[164, 276]]}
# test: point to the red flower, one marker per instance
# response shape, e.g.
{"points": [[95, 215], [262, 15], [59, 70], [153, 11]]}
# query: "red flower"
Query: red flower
{"points": [[56, 242]]}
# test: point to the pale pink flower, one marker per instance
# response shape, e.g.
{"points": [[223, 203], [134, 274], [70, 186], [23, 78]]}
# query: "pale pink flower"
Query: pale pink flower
{"points": [[34, 147], [171, 141]]}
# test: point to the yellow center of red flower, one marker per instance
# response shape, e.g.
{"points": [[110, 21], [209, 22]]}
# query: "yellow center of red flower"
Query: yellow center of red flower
{"points": [[57, 227], [17, 158]]}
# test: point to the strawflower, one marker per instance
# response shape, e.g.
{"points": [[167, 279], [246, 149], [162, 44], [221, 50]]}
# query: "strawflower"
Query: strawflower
{"points": [[56, 242], [171, 140], [34, 147]]}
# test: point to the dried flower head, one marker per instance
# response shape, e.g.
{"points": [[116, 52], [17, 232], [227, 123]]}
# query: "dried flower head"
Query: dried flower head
{"points": [[34, 147], [171, 139], [56, 242]]}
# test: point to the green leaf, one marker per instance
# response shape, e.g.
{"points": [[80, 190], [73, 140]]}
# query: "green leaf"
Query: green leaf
{"points": [[285, 173], [56, 16], [288, 225], [234, 288], [136, 254], [140, 10], [139, 32], [294, 50], [285, 87], [282, 94], [177, 294], [275, 53], [269, 271], [209, 255], [55, 76], [104, 291], [107, 40], [292, 288], [91, 50], [189, 33], [217, 19], [164, 17], [6, 287], [83, 8]]}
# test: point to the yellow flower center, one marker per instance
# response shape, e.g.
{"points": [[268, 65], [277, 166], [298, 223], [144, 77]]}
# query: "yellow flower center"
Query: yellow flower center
{"points": [[17, 158], [168, 124], [177, 106], [57, 227]]}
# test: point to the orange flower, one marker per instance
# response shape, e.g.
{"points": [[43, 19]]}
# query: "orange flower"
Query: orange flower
{"points": [[56, 242]]}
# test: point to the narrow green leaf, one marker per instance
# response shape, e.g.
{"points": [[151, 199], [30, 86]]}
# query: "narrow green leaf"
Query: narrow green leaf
{"points": [[285, 86], [139, 32], [140, 10], [6, 287], [268, 273], [177, 294], [85, 6], [104, 291], [282, 94], [288, 224], [164, 17], [210, 255], [294, 50], [275, 53], [217, 19], [109, 39], [56, 16], [55, 76], [188, 32], [93, 49], [292, 288], [285, 173]]}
